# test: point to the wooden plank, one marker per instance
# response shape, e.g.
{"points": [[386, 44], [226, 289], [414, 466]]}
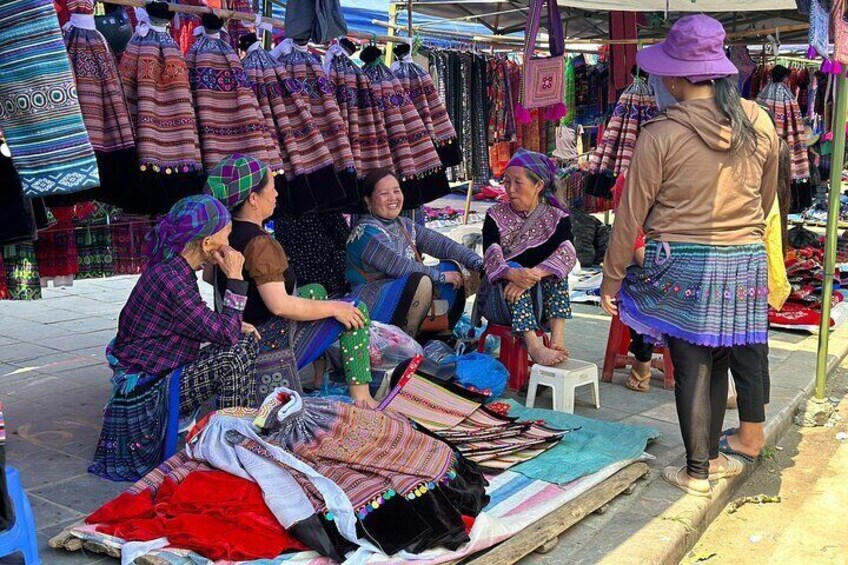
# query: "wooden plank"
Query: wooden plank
{"points": [[540, 534]]}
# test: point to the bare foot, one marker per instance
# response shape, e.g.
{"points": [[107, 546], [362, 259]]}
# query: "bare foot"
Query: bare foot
{"points": [[736, 445], [546, 356], [556, 346]]}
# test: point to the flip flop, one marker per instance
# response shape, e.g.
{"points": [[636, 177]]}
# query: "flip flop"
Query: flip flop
{"points": [[729, 432], [672, 476], [724, 447], [734, 467], [639, 379]]}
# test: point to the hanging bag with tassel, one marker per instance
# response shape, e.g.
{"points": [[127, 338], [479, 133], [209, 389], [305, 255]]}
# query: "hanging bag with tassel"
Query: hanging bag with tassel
{"points": [[542, 83]]}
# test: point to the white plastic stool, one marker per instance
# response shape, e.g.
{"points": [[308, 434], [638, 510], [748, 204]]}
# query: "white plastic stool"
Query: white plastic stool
{"points": [[563, 380]]}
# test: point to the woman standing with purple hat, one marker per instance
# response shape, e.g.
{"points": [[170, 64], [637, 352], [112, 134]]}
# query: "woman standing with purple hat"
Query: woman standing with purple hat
{"points": [[702, 180]]}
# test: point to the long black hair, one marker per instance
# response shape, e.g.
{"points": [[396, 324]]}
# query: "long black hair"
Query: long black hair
{"points": [[744, 136]]}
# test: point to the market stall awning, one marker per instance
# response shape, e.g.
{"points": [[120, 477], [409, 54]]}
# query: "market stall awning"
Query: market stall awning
{"points": [[588, 19]]}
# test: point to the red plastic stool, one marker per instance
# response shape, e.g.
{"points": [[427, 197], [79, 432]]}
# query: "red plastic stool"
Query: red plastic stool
{"points": [[618, 354], [513, 354]]}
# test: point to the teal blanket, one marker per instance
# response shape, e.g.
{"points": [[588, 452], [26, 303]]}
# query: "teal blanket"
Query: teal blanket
{"points": [[595, 445]]}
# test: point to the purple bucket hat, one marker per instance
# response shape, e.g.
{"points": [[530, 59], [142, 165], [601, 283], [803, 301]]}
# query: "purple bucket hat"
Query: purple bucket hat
{"points": [[694, 49]]}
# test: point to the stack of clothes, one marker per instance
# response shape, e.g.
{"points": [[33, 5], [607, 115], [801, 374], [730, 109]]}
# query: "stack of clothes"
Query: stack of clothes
{"points": [[459, 416]]}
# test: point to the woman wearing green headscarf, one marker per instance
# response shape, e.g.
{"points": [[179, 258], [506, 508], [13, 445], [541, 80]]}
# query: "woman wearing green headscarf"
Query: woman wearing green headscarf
{"points": [[286, 317]]}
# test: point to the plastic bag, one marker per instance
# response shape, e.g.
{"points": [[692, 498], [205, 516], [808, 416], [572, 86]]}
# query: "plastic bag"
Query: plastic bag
{"points": [[481, 373], [390, 346]]}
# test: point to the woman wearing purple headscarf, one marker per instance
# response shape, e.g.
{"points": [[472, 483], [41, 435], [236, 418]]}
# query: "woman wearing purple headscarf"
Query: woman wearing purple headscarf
{"points": [[528, 255], [160, 333]]}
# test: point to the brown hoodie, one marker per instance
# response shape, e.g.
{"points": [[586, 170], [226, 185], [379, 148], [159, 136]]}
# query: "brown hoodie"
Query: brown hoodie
{"points": [[685, 184]]}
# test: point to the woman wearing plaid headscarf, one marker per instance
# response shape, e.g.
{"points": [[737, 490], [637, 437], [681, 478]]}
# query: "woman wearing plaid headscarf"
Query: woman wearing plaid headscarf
{"points": [[160, 333], [528, 255], [288, 318]]}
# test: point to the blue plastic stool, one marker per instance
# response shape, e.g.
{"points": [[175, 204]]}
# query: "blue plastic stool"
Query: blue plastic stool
{"points": [[20, 538]]}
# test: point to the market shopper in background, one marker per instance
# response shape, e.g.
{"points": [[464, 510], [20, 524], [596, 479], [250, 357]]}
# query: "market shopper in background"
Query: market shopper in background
{"points": [[702, 179], [161, 332], [385, 266], [528, 250], [285, 317]]}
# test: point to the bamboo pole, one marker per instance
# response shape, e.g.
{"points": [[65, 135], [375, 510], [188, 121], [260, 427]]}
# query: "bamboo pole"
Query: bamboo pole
{"points": [[839, 110], [244, 17], [393, 17]]}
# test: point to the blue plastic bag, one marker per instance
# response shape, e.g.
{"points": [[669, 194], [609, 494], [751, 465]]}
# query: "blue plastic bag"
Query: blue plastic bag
{"points": [[483, 373]]}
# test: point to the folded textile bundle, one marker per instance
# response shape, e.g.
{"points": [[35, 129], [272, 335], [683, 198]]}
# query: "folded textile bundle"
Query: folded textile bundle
{"points": [[457, 415]]}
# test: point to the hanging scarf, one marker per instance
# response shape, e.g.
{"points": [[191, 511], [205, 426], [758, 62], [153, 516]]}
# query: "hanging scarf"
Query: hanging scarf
{"points": [[190, 219]]}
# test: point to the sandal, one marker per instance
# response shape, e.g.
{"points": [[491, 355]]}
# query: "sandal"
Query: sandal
{"points": [[733, 467], [672, 476], [724, 447], [644, 381]]}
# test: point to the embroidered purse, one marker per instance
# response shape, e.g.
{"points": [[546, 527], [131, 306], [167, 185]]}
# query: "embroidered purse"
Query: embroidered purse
{"points": [[543, 77]]}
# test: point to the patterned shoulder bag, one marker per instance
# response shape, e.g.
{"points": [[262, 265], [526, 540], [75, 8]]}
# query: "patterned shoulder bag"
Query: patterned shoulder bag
{"points": [[543, 77]]}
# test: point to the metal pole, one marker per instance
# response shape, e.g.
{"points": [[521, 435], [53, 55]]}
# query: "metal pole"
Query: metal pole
{"points": [[839, 119], [268, 12], [409, 20]]}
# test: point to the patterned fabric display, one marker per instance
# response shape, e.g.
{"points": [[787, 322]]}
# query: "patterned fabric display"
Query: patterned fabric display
{"points": [[39, 107], [316, 245], [790, 125], [308, 81], [128, 246], [430, 108], [366, 130], [309, 167], [56, 247], [104, 108], [228, 116], [22, 280], [417, 163], [489, 440], [94, 245], [636, 106], [819, 33], [155, 80]]}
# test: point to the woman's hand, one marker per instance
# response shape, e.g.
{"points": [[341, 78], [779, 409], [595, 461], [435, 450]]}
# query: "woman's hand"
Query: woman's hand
{"points": [[525, 278], [454, 279], [250, 329], [349, 315], [513, 292], [609, 304], [230, 261]]}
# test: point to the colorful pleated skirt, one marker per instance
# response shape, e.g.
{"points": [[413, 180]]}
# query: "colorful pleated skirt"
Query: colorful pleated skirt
{"points": [[713, 296]]}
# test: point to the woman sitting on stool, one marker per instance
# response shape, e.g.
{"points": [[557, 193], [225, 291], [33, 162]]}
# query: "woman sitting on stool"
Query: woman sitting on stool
{"points": [[384, 263], [529, 254], [245, 186]]}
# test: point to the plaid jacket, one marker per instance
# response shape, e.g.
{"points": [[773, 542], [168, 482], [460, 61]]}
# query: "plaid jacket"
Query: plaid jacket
{"points": [[165, 320]]}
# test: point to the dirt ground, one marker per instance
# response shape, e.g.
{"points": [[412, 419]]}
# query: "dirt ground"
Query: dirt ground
{"points": [[807, 470]]}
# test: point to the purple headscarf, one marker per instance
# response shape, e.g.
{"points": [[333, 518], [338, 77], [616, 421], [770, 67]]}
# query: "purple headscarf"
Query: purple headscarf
{"points": [[541, 166], [190, 219]]}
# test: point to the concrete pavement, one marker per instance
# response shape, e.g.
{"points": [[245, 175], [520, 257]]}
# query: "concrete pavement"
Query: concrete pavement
{"points": [[54, 382]]}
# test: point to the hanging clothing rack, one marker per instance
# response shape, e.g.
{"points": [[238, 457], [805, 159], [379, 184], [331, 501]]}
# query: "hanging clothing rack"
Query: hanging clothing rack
{"points": [[246, 17]]}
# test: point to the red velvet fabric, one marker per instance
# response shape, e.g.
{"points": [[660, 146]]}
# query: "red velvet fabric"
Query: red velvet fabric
{"points": [[213, 513]]}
